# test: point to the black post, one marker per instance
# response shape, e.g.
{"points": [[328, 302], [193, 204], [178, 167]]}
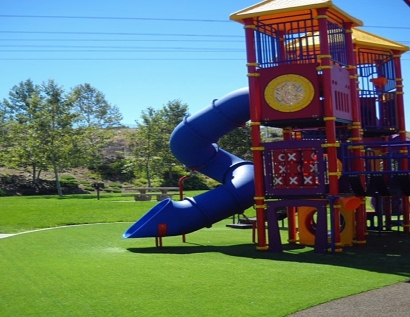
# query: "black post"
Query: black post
{"points": [[98, 186]]}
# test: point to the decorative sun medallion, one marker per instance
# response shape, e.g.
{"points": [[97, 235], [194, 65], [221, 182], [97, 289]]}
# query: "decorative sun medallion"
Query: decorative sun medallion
{"points": [[289, 93]]}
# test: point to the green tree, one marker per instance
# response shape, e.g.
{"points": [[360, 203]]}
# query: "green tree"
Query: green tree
{"points": [[23, 146], [238, 142], [4, 130], [59, 121], [151, 139], [146, 140], [172, 114], [93, 109], [47, 129], [96, 119]]}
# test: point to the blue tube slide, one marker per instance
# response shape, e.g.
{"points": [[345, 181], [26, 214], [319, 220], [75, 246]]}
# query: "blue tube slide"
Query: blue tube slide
{"points": [[193, 143]]}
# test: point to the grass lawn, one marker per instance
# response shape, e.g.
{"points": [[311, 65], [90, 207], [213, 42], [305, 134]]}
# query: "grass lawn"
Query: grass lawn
{"points": [[91, 271], [19, 214]]}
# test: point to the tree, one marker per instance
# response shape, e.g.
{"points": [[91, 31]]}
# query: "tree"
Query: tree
{"points": [[96, 118], [172, 114], [238, 142], [94, 110], [146, 140], [57, 124], [151, 138], [48, 129], [23, 146]]}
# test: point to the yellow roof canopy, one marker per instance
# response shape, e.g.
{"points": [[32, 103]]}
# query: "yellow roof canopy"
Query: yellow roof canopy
{"points": [[274, 9], [368, 40]]}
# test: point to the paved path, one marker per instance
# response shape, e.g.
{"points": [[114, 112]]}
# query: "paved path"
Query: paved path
{"points": [[5, 235], [393, 300]]}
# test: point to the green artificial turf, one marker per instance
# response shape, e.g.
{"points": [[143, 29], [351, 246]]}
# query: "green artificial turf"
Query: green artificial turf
{"points": [[19, 214], [89, 270]]}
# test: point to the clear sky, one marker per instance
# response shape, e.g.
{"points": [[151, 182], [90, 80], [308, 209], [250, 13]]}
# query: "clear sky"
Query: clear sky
{"points": [[143, 54]]}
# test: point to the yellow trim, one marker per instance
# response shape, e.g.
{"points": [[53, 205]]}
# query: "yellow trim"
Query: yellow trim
{"points": [[292, 240], [399, 93], [252, 64], [399, 86], [404, 151], [356, 123], [264, 206], [259, 198], [323, 16], [350, 67], [324, 67], [329, 119], [334, 174], [250, 27], [255, 123], [355, 147], [337, 206], [406, 226], [349, 31], [257, 148], [354, 76], [402, 131], [360, 241], [355, 139], [330, 145], [253, 74], [262, 248], [339, 250], [324, 56], [398, 79]]}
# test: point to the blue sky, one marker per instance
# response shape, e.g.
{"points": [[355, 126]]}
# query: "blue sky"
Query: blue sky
{"points": [[155, 51]]}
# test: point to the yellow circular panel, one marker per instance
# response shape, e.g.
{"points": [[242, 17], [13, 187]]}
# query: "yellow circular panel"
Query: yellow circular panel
{"points": [[289, 93]]}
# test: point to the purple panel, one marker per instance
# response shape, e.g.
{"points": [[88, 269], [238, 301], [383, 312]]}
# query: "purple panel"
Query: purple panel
{"points": [[276, 184]]}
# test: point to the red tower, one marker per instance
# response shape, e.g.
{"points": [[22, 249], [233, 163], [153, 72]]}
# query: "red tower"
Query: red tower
{"points": [[305, 72]]}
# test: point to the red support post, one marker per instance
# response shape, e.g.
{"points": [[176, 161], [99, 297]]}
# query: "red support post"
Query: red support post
{"points": [[356, 129], [291, 211], [255, 114], [402, 134], [330, 124], [181, 197]]}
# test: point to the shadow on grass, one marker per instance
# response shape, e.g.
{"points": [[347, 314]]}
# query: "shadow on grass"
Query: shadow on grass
{"points": [[388, 253]]}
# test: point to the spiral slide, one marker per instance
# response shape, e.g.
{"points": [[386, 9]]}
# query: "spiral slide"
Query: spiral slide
{"points": [[193, 142]]}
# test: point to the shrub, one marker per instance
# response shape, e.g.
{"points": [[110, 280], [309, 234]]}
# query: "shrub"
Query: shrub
{"points": [[195, 182], [7, 179], [2, 192], [68, 181]]}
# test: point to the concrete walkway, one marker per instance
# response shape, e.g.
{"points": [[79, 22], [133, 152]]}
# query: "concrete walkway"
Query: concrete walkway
{"points": [[5, 235], [392, 300]]}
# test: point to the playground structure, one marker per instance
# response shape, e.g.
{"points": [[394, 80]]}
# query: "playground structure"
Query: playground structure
{"points": [[337, 93]]}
